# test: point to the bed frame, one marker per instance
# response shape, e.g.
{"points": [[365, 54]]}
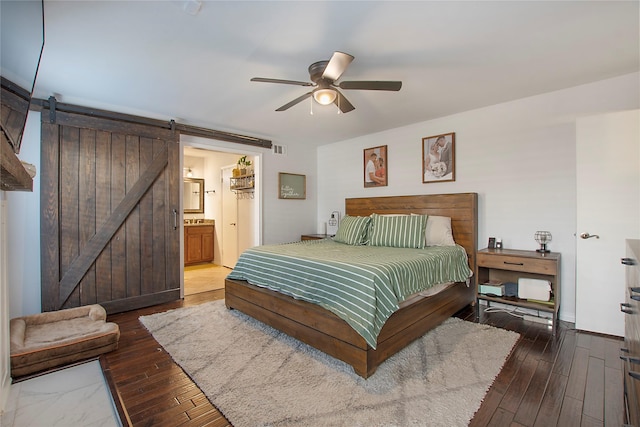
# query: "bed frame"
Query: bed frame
{"points": [[325, 331]]}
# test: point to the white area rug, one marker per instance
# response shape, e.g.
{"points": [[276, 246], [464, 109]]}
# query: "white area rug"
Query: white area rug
{"points": [[257, 376]]}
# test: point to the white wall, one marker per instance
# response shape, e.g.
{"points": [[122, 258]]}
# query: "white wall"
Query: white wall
{"points": [[518, 156], [286, 219], [23, 231], [19, 252]]}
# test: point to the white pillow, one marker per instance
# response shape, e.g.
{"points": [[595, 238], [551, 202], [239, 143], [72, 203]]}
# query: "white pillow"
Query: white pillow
{"points": [[438, 231]]}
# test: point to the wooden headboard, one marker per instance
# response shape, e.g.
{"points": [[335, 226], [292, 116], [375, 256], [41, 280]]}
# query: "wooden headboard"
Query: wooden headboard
{"points": [[462, 208]]}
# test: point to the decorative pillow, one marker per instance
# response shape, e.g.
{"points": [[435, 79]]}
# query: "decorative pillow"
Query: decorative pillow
{"points": [[438, 231], [406, 231], [353, 230]]}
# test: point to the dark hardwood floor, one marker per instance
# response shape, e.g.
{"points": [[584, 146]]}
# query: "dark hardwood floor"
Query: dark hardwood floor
{"points": [[572, 379]]}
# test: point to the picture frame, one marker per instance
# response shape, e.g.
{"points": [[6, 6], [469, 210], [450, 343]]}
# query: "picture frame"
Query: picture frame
{"points": [[292, 186], [492, 243], [438, 158], [375, 167]]}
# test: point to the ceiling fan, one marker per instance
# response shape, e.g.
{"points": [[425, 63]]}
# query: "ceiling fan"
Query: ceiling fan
{"points": [[323, 78]]}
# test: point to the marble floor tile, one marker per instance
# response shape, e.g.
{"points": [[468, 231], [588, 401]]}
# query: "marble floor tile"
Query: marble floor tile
{"points": [[75, 396]]}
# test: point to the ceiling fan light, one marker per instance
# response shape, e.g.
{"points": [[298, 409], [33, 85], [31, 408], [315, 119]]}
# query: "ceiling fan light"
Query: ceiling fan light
{"points": [[325, 96]]}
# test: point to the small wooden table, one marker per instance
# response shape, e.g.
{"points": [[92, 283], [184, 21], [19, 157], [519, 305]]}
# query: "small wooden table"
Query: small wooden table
{"points": [[508, 265]]}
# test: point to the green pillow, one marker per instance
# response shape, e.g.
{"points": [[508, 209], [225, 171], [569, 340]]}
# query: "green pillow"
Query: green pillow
{"points": [[398, 231], [353, 230]]}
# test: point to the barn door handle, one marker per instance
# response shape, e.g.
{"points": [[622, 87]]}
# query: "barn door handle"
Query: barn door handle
{"points": [[175, 219]]}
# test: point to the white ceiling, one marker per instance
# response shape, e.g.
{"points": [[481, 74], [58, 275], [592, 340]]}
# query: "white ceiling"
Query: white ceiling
{"points": [[155, 59]]}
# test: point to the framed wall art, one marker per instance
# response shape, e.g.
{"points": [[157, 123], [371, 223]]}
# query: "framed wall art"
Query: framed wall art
{"points": [[375, 167], [438, 158], [292, 186]]}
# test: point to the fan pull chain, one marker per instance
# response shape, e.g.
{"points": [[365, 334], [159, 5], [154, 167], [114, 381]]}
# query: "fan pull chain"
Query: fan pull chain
{"points": [[311, 112], [339, 109]]}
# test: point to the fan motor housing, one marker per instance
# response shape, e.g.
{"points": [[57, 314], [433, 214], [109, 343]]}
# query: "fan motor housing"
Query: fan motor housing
{"points": [[316, 69]]}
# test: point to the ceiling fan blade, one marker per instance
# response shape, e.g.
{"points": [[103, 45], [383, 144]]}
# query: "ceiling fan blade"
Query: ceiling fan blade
{"points": [[371, 85], [343, 103], [337, 65], [295, 101], [286, 82]]}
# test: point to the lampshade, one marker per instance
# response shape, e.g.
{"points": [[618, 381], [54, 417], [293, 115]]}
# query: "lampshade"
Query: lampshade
{"points": [[324, 96], [542, 237]]}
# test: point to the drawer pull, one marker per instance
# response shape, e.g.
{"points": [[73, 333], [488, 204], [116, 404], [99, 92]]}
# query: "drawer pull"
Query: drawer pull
{"points": [[624, 350], [628, 261], [634, 289], [635, 297], [634, 375], [514, 263], [633, 360], [625, 308]]}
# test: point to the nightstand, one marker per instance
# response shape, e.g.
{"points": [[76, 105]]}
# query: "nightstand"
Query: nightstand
{"points": [[508, 265], [314, 236]]}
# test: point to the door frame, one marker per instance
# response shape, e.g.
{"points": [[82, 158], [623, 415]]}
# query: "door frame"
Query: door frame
{"points": [[231, 148], [228, 194]]}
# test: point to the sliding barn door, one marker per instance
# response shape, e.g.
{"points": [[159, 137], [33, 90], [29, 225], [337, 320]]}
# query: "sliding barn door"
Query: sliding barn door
{"points": [[109, 213]]}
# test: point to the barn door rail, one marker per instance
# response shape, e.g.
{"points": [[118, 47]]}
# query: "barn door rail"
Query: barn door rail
{"points": [[54, 106]]}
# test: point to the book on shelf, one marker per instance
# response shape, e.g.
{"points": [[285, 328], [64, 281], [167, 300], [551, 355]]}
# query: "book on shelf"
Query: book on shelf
{"points": [[492, 288]]}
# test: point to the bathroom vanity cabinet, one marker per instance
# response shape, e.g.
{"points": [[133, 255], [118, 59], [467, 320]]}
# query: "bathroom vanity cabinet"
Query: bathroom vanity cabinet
{"points": [[198, 243]]}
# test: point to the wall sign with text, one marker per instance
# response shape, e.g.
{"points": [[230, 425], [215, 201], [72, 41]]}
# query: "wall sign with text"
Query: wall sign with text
{"points": [[292, 186]]}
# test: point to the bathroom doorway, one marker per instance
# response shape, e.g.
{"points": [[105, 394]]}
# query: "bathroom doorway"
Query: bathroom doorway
{"points": [[206, 160]]}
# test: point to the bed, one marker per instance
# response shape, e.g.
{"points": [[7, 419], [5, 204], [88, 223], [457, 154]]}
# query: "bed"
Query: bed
{"points": [[322, 329]]}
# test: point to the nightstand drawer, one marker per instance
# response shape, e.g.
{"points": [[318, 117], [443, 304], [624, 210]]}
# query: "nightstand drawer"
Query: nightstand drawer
{"points": [[517, 263]]}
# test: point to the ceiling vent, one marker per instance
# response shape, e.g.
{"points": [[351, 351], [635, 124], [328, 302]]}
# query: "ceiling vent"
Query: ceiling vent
{"points": [[279, 149]]}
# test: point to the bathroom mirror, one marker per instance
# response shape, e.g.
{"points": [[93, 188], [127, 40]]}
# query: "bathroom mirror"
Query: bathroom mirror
{"points": [[193, 195]]}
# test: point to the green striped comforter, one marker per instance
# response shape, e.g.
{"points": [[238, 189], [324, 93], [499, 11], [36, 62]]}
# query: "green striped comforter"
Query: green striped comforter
{"points": [[361, 284]]}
